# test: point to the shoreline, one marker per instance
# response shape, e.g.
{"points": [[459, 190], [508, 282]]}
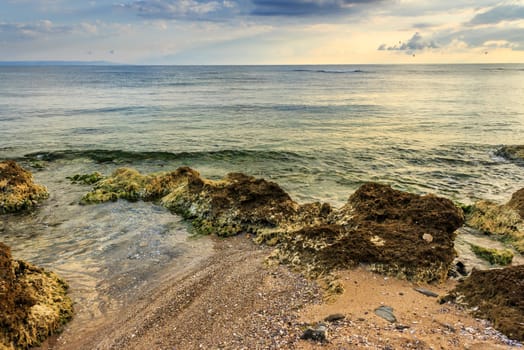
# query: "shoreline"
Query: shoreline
{"points": [[233, 300], [220, 296]]}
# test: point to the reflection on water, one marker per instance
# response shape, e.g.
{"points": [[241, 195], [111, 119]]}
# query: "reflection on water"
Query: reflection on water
{"points": [[106, 252]]}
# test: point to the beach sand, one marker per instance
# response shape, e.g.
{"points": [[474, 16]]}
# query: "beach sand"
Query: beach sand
{"points": [[233, 300]]}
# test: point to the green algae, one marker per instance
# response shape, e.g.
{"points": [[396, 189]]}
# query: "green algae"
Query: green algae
{"points": [[33, 301], [500, 221], [86, 179], [493, 256], [18, 191]]}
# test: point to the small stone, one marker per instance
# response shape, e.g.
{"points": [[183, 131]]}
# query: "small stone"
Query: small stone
{"points": [[426, 292], [386, 312], [461, 268], [427, 237], [401, 327], [334, 317], [319, 333]]}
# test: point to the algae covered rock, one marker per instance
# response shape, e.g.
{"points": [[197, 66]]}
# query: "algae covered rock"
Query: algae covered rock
{"points": [[396, 233], [517, 202], [497, 295], [384, 228], [493, 256], [504, 221], [33, 302], [86, 179], [513, 153], [237, 203], [17, 189]]}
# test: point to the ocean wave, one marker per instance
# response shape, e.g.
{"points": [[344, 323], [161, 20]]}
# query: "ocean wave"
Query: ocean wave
{"points": [[331, 71], [122, 156]]}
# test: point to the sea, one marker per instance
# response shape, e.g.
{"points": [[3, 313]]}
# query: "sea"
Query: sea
{"points": [[318, 131]]}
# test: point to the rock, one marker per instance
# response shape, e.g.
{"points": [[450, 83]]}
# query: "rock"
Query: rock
{"points": [[17, 190], [426, 292], [492, 255], [238, 203], [458, 270], [386, 312], [86, 179], [461, 268], [497, 295], [379, 226], [334, 317], [33, 301], [517, 202], [318, 333], [513, 153], [427, 237], [501, 220]]}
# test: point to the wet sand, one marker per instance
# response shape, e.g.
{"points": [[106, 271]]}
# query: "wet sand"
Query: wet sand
{"points": [[233, 300]]}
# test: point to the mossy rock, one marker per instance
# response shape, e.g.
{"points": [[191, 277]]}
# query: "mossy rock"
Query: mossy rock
{"points": [[393, 232], [513, 153], [493, 256], [497, 295], [502, 221], [17, 190], [33, 301], [396, 233], [86, 179], [517, 202]]}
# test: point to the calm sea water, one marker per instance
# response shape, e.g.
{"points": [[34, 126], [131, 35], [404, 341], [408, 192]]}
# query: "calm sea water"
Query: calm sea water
{"points": [[319, 131]]}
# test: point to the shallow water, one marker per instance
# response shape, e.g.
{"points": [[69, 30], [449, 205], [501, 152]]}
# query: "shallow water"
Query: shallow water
{"points": [[106, 252], [319, 131]]}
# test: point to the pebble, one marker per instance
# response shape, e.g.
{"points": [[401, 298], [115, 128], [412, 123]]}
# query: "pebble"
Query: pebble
{"points": [[426, 292], [334, 317], [319, 333], [386, 312]]}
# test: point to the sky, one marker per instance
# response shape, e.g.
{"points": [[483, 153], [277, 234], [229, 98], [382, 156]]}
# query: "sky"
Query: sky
{"points": [[263, 31]]}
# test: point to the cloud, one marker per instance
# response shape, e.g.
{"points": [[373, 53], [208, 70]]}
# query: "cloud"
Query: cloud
{"points": [[415, 43], [33, 30], [179, 9], [487, 37], [499, 14], [227, 9], [305, 8]]}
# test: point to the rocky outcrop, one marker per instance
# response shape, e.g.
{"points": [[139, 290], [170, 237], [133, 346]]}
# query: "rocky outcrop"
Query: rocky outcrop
{"points": [[17, 189], [238, 203], [514, 153], [505, 221], [396, 233], [497, 295], [517, 202], [33, 302]]}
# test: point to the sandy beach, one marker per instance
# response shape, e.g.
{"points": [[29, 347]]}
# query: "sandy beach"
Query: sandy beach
{"points": [[234, 300]]}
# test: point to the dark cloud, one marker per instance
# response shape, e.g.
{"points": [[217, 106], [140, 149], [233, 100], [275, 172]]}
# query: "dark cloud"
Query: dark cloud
{"points": [[226, 9], [499, 14], [180, 9], [415, 43], [301, 8]]}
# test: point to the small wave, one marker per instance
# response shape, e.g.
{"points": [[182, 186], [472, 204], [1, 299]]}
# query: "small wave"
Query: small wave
{"points": [[104, 110], [502, 69], [330, 71], [121, 156]]}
